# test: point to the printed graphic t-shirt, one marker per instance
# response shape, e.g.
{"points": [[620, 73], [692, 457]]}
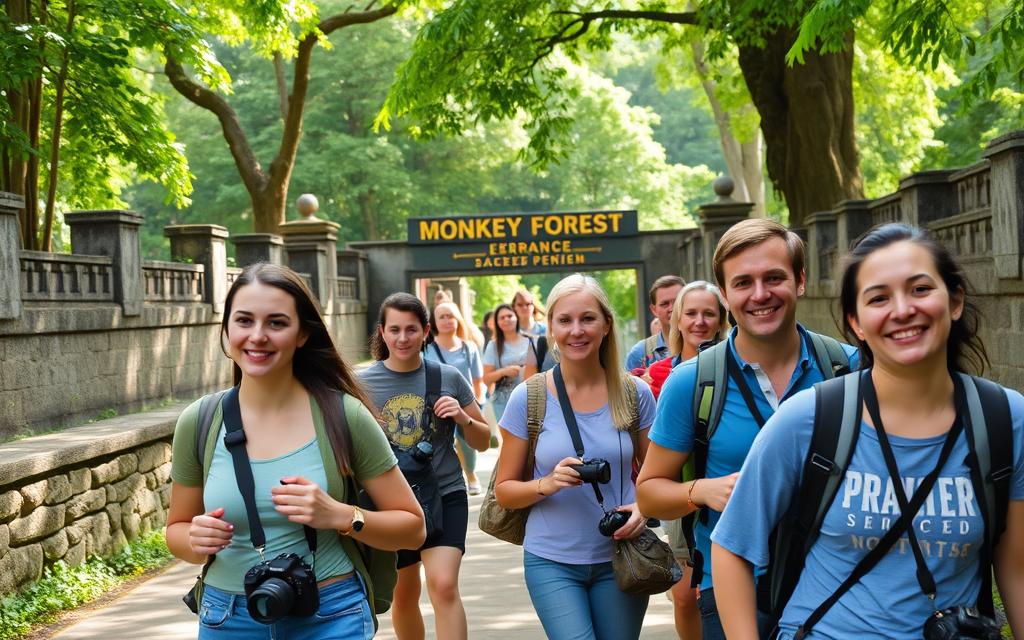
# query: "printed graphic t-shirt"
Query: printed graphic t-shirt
{"points": [[887, 602], [399, 397]]}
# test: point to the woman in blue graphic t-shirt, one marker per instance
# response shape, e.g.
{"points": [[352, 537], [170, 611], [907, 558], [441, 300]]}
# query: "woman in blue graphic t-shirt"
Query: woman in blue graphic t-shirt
{"points": [[904, 300]]}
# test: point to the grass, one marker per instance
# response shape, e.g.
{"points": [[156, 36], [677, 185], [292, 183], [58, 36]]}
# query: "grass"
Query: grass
{"points": [[62, 588]]}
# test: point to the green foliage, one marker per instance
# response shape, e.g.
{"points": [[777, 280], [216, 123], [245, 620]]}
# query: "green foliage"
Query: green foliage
{"points": [[62, 587], [492, 291]]}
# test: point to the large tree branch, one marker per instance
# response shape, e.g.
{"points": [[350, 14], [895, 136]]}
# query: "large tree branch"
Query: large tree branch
{"points": [[248, 165], [580, 24], [281, 166]]}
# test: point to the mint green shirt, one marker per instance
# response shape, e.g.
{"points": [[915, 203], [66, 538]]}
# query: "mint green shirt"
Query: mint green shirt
{"points": [[371, 457]]}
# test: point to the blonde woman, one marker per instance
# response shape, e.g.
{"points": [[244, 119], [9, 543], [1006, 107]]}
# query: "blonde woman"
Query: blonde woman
{"points": [[698, 315], [453, 345], [567, 561]]}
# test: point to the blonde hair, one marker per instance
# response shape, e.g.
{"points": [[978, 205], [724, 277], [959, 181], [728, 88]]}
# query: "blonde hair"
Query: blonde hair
{"points": [[608, 353], [676, 343], [461, 328], [750, 232]]}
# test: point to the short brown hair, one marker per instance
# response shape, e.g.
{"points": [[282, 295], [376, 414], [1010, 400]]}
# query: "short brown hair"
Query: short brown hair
{"points": [[750, 232], [661, 283]]}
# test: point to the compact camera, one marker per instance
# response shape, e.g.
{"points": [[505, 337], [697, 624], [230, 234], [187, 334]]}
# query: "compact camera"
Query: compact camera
{"points": [[284, 586], [612, 522], [959, 623], [594, 470], [422, 452]]}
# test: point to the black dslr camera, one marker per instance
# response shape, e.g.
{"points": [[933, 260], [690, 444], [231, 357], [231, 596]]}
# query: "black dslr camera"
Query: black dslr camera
{"points": [[959, 623], [284, 586], [594, 470], [422, 452], [611, 522]]}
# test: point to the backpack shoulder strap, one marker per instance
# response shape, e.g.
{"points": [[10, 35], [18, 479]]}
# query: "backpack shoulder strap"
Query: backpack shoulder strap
{"points": [[837, 415], [991, 435], [536, 407], [650, 344], [633, 402], [829, 354], [437, 350], [208, 406], [708, 400], [432, 371]]}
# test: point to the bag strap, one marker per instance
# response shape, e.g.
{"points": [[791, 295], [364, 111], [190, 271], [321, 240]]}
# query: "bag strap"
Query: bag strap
{"points": [[536, 407], [207, 408], [570, 423], [633, 404], [989, 436], [708, 400], [437, 350], [234, 440], [837, 419], [830, 355]]}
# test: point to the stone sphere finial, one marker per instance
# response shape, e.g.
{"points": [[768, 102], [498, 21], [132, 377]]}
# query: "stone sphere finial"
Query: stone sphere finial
{"points": [[307, 205], [723, 186]]}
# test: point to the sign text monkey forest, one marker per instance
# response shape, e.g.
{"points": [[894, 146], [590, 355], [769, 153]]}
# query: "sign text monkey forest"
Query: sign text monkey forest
{"points": [[525, 241]]}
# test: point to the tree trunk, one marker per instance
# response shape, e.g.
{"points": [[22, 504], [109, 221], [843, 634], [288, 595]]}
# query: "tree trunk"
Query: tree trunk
{"points": [[808, 123], [742, 159], [46, 240]]}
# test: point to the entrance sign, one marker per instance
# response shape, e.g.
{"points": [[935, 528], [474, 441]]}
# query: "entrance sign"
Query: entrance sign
{"points": [[531, 241]]}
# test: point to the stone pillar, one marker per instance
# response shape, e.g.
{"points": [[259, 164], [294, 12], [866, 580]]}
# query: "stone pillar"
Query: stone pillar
{"points": [[1006, 156], [203, 244], [312, 247], [258, 247], [114, 234], [352, 264], [853, 218], [927, 196], [10, 266], [715, 218], [821, 252]]}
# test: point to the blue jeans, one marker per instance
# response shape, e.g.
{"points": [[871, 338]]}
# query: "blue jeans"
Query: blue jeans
{"points": [[711, 623], [344, 613], [582, 601]]}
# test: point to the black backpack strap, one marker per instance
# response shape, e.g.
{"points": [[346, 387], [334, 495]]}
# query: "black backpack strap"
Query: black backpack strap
{"points": [[837, 418], [829, 354], [541, 351], [990, 437], [708, 400], [432, 373], [207, 407], [437, 350]]}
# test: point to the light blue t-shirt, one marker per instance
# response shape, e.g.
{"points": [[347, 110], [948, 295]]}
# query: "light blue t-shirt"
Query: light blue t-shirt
{"points": [[466, 359], [673, 426], [636, 356], [887, 602], [563, 527]]}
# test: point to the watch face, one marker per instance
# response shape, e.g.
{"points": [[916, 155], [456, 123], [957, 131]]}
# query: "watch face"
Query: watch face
{"points": [[357, 525]]}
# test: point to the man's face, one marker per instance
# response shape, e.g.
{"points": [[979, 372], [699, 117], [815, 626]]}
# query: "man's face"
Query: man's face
{"points": [[664, 298], [762, 289]]}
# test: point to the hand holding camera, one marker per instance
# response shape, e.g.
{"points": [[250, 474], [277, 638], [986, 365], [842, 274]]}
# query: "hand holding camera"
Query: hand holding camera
{"points": [[562, 476], [209, 534]]}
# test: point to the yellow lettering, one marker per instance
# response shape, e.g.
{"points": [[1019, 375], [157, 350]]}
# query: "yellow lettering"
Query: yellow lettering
{"points": [[601, 223], [428, 229], [513, 224], [465, 228], [585, 228], [449, 230], [536, 224], [482, 230], [615, 218], [498, 227]]}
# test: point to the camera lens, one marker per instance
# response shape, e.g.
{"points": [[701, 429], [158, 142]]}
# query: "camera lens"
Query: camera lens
{"points": [[271, 601]]}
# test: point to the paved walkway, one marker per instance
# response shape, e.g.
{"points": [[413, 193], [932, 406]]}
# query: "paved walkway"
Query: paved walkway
{"points": [[491, 582]]}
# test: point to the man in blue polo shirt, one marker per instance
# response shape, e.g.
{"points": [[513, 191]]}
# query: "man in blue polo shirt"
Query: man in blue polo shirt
{"points": [[648, 351], [759, 265]]}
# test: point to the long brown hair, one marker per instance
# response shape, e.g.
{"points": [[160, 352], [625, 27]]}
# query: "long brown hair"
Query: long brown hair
{"points": [[317, 365]]}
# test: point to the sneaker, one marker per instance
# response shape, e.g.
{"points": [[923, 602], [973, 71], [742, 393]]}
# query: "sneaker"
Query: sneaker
{"points": [[474, 488]]}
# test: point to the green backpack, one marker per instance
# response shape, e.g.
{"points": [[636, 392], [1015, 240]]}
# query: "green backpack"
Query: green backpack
{"points": [[378, 568]]}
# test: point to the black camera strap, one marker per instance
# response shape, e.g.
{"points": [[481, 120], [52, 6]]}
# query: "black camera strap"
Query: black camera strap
{"points": [[905, 522], [234, 440], [574, 429]]}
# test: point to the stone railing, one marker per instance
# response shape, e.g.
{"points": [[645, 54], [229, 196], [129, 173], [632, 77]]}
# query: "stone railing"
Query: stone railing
{"points": [[66, 278], [172, 281], [88, 490], [347, 288]]}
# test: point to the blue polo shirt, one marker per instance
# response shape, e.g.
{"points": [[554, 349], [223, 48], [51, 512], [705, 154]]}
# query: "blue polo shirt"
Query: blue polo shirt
{"points": [[673, 425], [635, 357]]}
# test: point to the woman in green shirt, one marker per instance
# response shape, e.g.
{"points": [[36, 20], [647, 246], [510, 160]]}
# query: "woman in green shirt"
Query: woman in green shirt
{"points": [[291, 388]]}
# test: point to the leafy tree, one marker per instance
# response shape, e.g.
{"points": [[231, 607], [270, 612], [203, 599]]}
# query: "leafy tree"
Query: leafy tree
{"points": [[70, 84], [479, 60], [280, 31]]}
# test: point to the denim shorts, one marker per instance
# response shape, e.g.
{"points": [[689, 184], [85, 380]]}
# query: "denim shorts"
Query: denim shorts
{"points": [[344, 613]]}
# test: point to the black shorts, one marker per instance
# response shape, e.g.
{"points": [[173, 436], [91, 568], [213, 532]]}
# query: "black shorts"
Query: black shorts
{"points": [[454, 520]]}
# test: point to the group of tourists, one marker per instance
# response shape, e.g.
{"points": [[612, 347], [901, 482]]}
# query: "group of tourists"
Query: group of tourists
{"points": [[808, 488]]}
